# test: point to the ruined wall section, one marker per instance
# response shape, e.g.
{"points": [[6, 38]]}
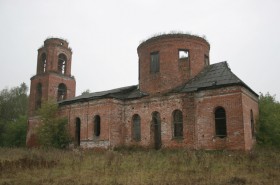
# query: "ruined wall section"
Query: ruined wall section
{"points": [[229, 98], [110, 112], [164, 105]]}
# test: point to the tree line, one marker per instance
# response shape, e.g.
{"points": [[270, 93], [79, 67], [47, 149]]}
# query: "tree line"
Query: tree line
{"points": [[13, 116], [53, 131]]}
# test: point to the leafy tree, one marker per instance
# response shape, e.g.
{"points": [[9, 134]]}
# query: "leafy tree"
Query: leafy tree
{"points": [[13, 115], [13, 102], [269, 121], [15, 132], [53, 131]]}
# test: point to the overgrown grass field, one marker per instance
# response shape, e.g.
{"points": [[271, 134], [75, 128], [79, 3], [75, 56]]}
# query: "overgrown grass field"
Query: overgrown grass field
{"points": [[77, 167]]}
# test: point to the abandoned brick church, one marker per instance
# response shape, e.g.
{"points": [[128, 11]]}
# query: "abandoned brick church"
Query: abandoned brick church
{"points": [[181, 101]]}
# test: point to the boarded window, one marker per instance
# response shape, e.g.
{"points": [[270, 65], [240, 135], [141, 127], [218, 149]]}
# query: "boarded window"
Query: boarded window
{"points": [[136, 127], [43, 63], [252, 123], [96, 126], [183, 54], [154, 68], [178, 124], [62, 63], [220, 122], [38, 100], [61, 92]]}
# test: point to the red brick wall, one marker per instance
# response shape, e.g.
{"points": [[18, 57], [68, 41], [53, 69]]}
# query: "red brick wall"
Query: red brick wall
{"points": [[165, 105], [249, 102], [111, 115], [173, 72], [198, 119], [230, 98], [31, 138], [50, 83]]}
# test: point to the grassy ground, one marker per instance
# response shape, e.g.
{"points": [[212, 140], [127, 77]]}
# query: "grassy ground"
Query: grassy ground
{"points": [[41, 166]]}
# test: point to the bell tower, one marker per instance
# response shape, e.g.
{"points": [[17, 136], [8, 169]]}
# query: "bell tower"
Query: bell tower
{"points": [[53, 79]]}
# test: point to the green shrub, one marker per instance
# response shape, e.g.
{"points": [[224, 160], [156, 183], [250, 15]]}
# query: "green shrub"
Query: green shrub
{"points": [[53, 131], [269, 121], [15, 132]]}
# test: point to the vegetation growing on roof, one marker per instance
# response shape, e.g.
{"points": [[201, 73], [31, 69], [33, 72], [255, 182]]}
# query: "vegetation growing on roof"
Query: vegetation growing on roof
{"points": [[173, 34]]}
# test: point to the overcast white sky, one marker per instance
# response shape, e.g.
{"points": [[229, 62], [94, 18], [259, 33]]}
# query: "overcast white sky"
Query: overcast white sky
{"points": [[104, 36]]}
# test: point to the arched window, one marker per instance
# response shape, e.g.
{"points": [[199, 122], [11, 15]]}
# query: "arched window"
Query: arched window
{"points": [[43, 62], [61, 92], [177, 124], [220, 122], [38, 100], [136, 127], [96, 126], [62, 63], [252, 123]]}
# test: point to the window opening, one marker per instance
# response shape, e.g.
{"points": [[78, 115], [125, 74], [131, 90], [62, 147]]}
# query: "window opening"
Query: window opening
{"points": [[38, 96], [178, 124], [206, 60], [154, 68], [252, 123], [183, 54], [136, 128], [62, 63], [78, 132], [96, 126], [61, 92], [156, 130], [220, 122], [44, 63]]}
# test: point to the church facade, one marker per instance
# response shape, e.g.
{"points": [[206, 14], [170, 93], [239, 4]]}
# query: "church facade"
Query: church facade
{"points": [[181, 101]]}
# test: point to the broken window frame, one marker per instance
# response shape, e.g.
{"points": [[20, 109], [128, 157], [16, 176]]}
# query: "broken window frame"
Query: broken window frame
{"points": [[61, 66], [154, 63], [43, 62], [178, 128], [220, 122], [136, 128], [181, 54], [61, 92]]}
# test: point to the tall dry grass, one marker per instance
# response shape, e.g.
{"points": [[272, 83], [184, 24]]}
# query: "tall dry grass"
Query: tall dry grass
{"points": [[52, 166]]}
